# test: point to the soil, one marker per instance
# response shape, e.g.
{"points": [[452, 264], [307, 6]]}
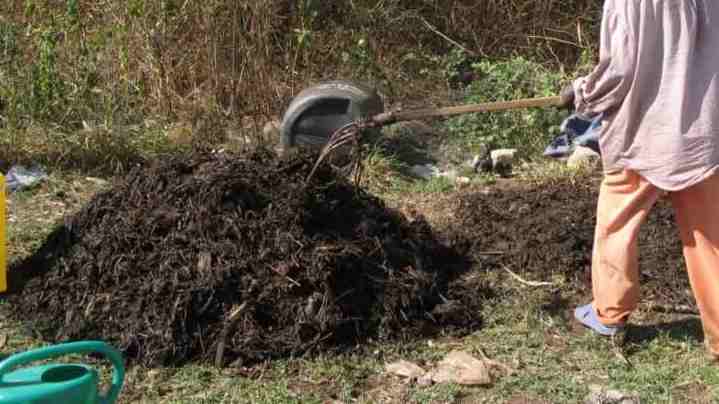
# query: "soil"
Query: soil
{"points": [[544, 232], [231, 259], [225, 256]]}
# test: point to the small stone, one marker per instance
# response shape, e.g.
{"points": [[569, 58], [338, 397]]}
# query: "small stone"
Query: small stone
{"points": [[600, 395], [462, 368], [463, 180]]}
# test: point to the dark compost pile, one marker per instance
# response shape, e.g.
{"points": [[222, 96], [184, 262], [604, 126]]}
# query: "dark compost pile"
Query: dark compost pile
{"points": [[545, 232], [208, 255]]}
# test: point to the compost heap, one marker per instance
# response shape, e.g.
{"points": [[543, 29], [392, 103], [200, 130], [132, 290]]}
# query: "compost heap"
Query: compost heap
{"points": [[544, 232], [227, 255]]}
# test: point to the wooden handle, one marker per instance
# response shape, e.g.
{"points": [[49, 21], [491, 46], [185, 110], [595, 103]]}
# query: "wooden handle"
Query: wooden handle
{"points": [[391, 117]]}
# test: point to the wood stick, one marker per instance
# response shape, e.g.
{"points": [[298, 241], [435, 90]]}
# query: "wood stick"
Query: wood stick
{"points": [[446, 38], [229, 325], [399, 116]]}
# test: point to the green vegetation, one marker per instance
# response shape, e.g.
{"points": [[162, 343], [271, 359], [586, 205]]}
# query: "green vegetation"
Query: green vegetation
{"points": [[103, 84], [528, 130]]}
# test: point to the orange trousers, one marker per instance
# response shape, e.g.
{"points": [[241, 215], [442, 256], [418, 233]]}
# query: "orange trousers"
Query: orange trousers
{"points": [[625, 199]]}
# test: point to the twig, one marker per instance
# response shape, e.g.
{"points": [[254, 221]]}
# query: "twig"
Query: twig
{"points": [[448, 39], [490, 253], [687, 383], [286, 276], [229, 325], [552, 39], [525, 282], [580, 36]]}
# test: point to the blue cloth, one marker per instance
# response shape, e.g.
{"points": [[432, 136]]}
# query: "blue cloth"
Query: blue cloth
{"points": [[575, 131]]}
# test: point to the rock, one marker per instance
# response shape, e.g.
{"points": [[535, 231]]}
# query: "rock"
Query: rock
{"points": [[600, 395], [462, 368], [405, 368], [583, 157], [425, 171]]}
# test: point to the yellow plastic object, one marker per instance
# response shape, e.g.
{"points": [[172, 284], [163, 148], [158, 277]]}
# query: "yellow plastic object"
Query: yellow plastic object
{"points": [[3, 249]]}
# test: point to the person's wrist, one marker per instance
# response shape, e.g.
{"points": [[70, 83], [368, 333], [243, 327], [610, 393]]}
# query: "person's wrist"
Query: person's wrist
{"points": [[566, 96]]}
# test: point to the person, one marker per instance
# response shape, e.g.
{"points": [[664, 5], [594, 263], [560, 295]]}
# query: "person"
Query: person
{"points": [[657, 84]]}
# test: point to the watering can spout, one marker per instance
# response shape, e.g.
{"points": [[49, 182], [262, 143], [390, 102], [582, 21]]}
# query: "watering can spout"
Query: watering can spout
{"points": [[59, 383]]}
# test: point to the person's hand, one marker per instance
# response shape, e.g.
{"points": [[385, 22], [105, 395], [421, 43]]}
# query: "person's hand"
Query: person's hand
{"points": [[567, 97]]}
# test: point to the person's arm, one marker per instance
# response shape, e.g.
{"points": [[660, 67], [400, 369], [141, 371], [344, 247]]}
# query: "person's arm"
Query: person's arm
{"points": [[606, 87]]}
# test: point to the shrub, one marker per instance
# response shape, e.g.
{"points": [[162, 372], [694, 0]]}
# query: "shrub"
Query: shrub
{"points": [[123, 63], [528, 130]]}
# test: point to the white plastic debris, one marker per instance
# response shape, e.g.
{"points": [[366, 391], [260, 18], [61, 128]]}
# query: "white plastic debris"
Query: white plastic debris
{"points": [[19, 177]]}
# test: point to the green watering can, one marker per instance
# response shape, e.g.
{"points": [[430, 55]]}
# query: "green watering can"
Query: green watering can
{"points": [[59, 383]]}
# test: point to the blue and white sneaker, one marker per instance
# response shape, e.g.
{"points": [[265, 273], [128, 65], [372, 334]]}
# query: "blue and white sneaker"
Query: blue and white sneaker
{"points": [[588, 317]]}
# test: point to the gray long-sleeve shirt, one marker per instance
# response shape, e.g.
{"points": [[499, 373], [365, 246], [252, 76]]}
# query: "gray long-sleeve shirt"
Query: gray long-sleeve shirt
{"points": [[656, 84]]}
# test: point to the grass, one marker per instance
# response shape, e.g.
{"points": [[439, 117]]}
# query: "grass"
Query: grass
{"points": [[33, 213], [529, 129], [528, 329], [554, 364]]}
